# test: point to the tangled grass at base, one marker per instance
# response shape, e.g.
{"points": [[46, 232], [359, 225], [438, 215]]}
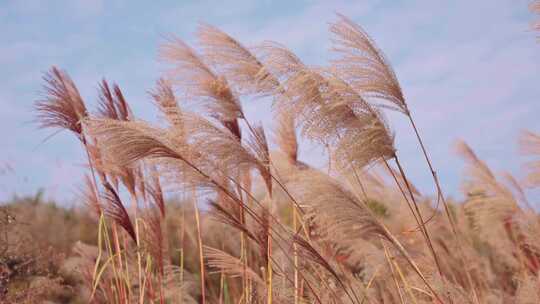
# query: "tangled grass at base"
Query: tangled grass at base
{"points": [[261, 226]]}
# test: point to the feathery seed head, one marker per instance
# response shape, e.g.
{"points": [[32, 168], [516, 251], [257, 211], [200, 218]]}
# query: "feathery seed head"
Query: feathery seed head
{"points": [[62, 106]]}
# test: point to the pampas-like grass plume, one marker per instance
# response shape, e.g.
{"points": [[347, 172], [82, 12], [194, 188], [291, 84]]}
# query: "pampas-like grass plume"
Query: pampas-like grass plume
{"points": [[112, 103], [128, 142], [278, 59], [337, 210], [199, 82], [90, 197], [489, 200], [286, 136], [284, 64], [259, 145], [62, 106], [364, 65], [225, 216], [230, 265], [235, 61], [330, 112], [154, 237], [116, 210], [167, 104]]}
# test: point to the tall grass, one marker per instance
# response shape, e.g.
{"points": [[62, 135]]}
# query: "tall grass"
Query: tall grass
{"points": [[262, 226]]}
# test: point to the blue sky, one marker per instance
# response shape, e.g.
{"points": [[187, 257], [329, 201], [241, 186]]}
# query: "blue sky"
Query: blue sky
{"points": [[469, 70]]}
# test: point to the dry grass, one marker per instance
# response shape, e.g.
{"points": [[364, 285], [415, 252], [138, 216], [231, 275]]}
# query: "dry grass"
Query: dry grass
{"points": [[261, 226]]}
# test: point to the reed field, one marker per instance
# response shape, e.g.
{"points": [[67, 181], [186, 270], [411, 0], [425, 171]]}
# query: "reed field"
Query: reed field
{"points": [[207, 206]]}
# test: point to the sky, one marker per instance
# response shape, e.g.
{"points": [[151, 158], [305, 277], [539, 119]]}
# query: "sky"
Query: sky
{"points": [[468, 69]]}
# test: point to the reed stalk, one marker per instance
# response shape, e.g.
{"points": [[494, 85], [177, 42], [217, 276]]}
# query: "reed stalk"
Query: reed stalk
{"points": [[200, 245]]}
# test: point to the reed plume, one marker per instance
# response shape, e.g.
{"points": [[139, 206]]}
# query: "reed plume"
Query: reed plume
{"points": [[167, 104], [155, 239], [116, 210], [339, 212], [128, 142], [489, 200], [286, 136], [225, 216], [328, 111], [278, 59], [112, 103], [364, 65], [90, 196], [200, 83], [231, 265], [62, 106], [235, 61]]}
